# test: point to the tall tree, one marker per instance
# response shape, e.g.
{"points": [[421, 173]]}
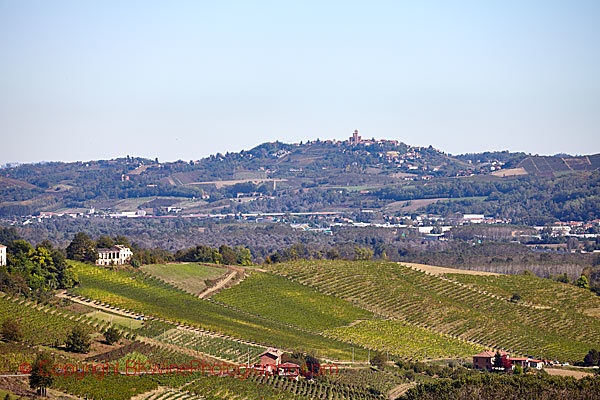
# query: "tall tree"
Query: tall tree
{"points": [[498, 360], [41, 373], [82, 248], [583, 282], [592, 358]]}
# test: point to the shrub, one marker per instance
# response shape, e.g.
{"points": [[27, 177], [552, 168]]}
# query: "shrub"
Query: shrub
{"points": [[112, 335], [78, 341], [379, 360], [592, 358], [11, 331], [518, 370]]}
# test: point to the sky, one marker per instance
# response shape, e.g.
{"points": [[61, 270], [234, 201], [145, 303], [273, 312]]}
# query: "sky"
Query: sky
{"points": [[82, 80]]}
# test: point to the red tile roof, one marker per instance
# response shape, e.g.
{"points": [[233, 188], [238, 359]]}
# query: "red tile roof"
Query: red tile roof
{"points": [[490, 353], [289, 365], [276, 352]]}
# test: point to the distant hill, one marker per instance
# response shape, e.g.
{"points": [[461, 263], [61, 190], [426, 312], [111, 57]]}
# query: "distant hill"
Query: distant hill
{"points": [[330, 175], [553, 165]]}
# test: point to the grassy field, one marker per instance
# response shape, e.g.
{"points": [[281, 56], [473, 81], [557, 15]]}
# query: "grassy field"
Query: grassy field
{"points": [[279, 298], [137, 292], [452, 308], [120, 320], [190, 277]]}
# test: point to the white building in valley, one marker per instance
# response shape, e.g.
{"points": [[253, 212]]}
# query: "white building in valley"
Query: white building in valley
{"points": [[2, 255], [116, 255]]}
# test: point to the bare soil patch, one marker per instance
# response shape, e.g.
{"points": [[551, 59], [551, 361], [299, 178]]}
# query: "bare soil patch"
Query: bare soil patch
{"points": [[568, 372], [510, 172], [432, 269], [412, 205]]}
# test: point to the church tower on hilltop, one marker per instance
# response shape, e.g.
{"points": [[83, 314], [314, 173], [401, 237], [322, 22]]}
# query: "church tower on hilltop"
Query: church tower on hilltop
{"points": [[355, 139]]}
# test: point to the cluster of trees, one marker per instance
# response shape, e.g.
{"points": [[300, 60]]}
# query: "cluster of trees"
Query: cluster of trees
{"points": [[592, 359], [33, 270], [78, 341], [84, 248], [530, 200], [237, 255]]}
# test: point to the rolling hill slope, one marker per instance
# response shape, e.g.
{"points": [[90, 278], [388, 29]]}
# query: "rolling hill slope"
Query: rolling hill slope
{"points": [[450, 307]]}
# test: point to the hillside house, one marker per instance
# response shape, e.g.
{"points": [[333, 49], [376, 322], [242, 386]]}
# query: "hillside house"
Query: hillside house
{"points": [[485, 359], [526, 362], [116, 255], [2, 255], [289, 370], [270, 359]]}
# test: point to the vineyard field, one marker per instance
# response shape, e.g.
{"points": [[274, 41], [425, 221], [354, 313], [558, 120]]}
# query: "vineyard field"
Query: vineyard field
{"points": [[275, 297], [230, 350], [109, 387], [533, 290], [137, 292], [38, 326], [407, 342], [446, 306], [274, 387], [190, 277]]}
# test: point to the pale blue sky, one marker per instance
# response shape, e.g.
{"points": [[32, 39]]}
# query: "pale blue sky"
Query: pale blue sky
{"points": [[183, 79]]}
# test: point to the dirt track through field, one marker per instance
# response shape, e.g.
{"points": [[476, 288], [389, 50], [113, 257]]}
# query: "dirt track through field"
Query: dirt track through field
{"points": [[213, 289], [91, 303], [434, 270]]}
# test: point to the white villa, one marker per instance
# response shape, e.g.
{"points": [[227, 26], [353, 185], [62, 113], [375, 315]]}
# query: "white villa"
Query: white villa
{"points": [[2, 255], [116, 255]]}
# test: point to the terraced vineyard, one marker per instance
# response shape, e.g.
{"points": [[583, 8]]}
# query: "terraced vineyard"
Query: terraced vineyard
{"points": [[273, 387], [141, 294], [225, 388], [447, 306], [537, 291], [222, 348], [40, 324], [109, 387], [408, 342], [278, 298], [169, 394], [154, 354]]}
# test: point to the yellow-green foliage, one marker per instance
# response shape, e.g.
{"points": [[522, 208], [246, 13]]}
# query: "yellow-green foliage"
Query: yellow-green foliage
{"points": [[188, 276], [450, 307], [405, 341], [278, 298], [136, 291]]}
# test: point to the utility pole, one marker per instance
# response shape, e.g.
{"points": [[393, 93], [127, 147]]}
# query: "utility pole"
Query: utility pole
{"points": [[248, 357], [353, 355], [369, 359]]}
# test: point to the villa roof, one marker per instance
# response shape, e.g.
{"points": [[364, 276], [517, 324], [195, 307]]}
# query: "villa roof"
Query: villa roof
{"points": [[490, 353]]}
